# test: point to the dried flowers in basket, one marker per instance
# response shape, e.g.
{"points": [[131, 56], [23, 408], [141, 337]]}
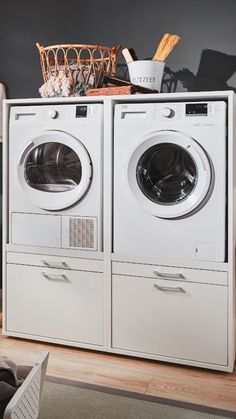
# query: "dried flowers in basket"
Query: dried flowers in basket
{"points": [[71, 69]]}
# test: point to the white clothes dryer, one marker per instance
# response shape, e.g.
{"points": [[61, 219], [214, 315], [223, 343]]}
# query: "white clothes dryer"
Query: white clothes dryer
{"points": [[170, 180], [55, 175]]}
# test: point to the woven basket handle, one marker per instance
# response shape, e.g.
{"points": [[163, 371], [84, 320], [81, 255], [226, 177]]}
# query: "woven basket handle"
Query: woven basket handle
{"points": [[40, 47]]}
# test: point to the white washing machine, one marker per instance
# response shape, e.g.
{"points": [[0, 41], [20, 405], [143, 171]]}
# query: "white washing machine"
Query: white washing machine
{"points": [[55, 176], [170, 180]]}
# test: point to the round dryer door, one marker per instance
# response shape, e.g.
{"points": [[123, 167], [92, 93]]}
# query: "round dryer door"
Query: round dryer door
{"points": [[169, 174], [54, 170]]}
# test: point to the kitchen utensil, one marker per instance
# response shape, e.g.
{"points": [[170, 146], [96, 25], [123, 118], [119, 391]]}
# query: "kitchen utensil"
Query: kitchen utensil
{"points": [[127, 55], [166, 45]]}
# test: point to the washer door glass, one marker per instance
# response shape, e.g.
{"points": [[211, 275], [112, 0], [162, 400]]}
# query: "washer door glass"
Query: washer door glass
{"points": [[54, 170], [53, 167], [166, 173]]}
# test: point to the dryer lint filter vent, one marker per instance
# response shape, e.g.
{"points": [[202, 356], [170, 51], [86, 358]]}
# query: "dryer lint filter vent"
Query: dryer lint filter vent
{"points": [[83, 233]]}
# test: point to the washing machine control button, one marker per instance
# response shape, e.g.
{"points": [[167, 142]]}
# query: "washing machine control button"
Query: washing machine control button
{"points": [[168, 112], [53, 114]]}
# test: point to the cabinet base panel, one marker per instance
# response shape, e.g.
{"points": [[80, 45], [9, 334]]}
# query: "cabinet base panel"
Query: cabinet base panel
{"points": [[109, 349]]}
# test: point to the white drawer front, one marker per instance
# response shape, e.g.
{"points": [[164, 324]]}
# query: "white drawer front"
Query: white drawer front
{"points": [[55, 303], [169, 272], [57, 262], [170, 318]]}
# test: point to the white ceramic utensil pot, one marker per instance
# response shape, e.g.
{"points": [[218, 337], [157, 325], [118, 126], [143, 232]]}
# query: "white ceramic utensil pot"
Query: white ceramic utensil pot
{"points": [[147, 73]]}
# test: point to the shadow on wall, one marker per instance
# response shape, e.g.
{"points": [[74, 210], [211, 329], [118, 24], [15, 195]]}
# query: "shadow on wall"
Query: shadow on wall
{"points": [[214, 71]]}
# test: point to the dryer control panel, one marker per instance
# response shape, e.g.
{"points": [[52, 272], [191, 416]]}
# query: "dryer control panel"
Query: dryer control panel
{"points": [[81, 111]]}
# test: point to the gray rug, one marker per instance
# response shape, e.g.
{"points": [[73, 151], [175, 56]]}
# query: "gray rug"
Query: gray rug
{"points": [[65, 399]]}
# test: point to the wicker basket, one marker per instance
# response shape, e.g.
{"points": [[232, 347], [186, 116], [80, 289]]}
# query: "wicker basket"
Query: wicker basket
{"points": [[83, 67]]}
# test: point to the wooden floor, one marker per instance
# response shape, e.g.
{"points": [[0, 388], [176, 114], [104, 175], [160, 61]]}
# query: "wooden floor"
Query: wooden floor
{"points": [[193, 385]]}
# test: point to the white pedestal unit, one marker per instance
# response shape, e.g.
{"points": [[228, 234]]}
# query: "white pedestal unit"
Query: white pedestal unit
{"points": [[158, 174]]}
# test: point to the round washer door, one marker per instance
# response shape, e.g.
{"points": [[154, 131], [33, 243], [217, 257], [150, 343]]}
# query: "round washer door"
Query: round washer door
{"points": [[54, 170], [168, 174]]}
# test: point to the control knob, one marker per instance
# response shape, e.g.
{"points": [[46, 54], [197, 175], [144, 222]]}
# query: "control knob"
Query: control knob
{"points": [[53, 114], [167, 112]]}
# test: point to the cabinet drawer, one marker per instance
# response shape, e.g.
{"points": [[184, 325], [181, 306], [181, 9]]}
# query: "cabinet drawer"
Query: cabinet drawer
{"points": [[58, 262], [169, 318], [55, 303], [170, 273]]}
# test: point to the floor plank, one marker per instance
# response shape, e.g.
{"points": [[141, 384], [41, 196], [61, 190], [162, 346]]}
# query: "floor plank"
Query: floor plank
{"points": [[192, 385]]}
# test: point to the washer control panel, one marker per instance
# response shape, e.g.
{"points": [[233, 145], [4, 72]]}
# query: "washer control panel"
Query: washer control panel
{"points": [[196, 109]]}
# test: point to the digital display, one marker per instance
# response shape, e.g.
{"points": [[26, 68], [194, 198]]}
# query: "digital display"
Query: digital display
{"points": [[81, 111], [196, 109]]}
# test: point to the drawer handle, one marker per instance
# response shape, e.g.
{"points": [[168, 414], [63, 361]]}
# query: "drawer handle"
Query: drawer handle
{"points": [[169, 289], [54, 264], [55, 277], [178, 275]]}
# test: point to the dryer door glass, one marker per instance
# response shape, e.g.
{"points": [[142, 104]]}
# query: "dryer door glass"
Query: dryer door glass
{"points": [[166, 173], [55, 170], [53, 167]]}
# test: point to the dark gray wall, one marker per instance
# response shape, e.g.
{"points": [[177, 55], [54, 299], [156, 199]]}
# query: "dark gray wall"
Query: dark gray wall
{"points": [[202, 24]]}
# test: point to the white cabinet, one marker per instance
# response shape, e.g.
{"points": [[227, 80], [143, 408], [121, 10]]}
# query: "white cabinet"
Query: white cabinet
{"points": [[171, 318], [181, 311], [55, 303], [177, 314]]}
